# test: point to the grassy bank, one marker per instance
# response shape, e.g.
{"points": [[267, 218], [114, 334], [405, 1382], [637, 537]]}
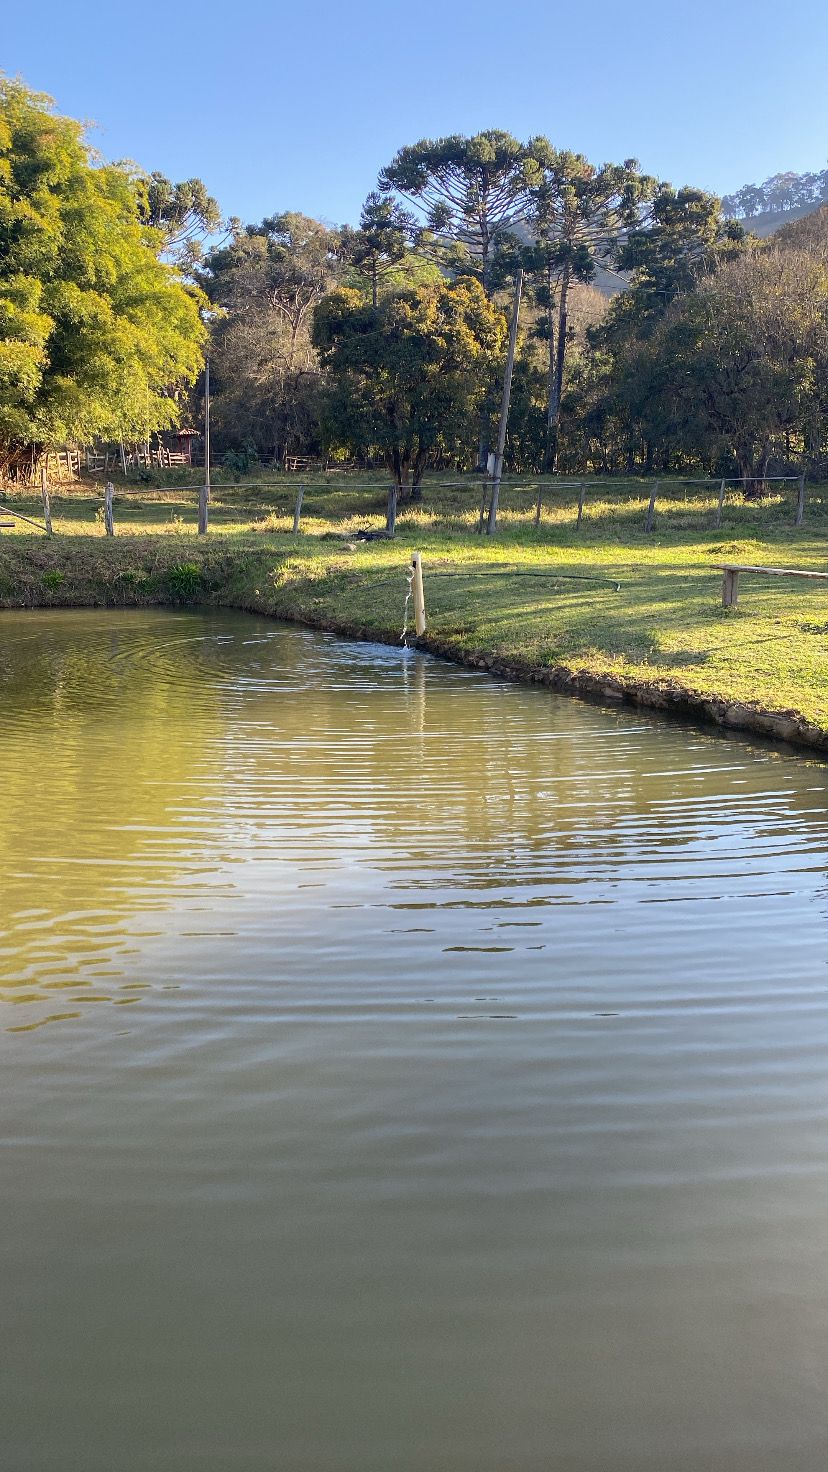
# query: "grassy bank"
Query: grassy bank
{"points": [[541, 603]]}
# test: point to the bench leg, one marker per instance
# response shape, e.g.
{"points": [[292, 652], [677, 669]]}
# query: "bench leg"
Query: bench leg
{"points": [[730, 589]]}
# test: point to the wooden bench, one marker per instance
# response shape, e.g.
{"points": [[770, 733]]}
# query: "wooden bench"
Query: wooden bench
{"points": [[731, 570]]}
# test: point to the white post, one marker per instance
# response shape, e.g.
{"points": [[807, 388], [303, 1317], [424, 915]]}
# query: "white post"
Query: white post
{"points": [[419, 594], [206, 429], [204, 493]]}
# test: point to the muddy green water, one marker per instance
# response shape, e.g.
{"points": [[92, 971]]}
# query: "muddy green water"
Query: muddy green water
{"points": [[400, 1071]]}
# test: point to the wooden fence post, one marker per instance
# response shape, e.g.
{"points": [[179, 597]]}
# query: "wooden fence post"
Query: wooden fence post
{"points": [[419, 594], [581, 494], [44, 496], [800, 502], [650, 521], [539, 505], [297, 513], [391, 513], [203, 497], [720, 505], [109, 524]]}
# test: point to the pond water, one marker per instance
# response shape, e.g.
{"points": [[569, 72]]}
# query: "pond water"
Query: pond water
{"points": [[400, 1069]]}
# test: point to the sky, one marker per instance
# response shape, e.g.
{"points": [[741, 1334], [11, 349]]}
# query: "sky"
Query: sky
{"points": [[297, 106]]}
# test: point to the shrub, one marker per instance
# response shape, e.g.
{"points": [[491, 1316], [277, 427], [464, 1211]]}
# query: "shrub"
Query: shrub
{"points": [[186, 582]]}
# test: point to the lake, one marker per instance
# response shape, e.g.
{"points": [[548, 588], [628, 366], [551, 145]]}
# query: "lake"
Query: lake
{"points": [[400, 1068]]}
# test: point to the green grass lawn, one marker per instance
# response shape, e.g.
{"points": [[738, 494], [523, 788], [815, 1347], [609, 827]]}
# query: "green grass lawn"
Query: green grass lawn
{"points": [[534, 599]]}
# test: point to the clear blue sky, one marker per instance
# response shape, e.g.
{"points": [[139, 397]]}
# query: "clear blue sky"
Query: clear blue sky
{"points": [[298, 105]]}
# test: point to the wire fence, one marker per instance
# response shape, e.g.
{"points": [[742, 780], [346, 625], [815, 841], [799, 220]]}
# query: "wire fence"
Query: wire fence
{"points": [[541, 507]]}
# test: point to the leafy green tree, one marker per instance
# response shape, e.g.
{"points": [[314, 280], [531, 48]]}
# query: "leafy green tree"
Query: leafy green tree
{"points": [[743, 359], [377, 249], [266, 282], [685, 238], [580, 216], [406, 377], [96, 333]]}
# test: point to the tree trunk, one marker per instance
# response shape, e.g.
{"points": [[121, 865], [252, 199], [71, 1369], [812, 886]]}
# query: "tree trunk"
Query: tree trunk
{"points": [[560, 364], [753, 468], [550, 380], [418, 472]]}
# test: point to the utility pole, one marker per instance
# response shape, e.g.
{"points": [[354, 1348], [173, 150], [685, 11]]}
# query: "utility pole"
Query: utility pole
{"points": [[204, 496], [504, 406]]}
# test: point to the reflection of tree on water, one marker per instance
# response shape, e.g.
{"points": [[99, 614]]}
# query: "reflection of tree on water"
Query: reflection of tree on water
{"points": [[145, 754], [438, 776], [105, 724]]}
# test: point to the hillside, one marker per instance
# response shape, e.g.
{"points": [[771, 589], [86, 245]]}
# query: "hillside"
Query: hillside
{"points": [[765, 208], [809, 232]]}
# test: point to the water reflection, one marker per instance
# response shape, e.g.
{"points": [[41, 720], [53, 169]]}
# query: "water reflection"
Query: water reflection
{"points": [[465, 1105]]}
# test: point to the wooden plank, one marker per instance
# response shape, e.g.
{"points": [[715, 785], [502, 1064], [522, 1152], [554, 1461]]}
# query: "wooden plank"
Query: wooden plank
{"points": [[18, 516], [773, 572]]}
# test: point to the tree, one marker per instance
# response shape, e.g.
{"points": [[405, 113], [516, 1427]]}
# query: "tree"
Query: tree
{"points": [[580, 214], [184, 213], [379, 246], [745, 357], [405, 377], [266, 281], [471, 194], [684, 238], [289, 258], [96, 332]]}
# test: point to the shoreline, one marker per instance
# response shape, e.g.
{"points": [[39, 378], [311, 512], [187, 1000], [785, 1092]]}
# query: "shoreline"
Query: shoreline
{"points": [[71, 581], [786, 728]]}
